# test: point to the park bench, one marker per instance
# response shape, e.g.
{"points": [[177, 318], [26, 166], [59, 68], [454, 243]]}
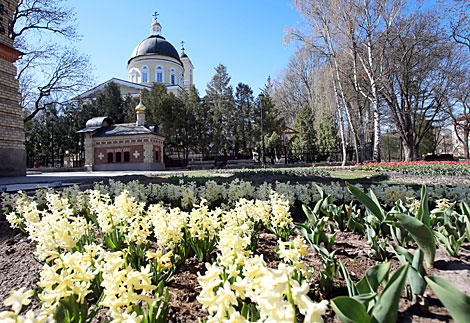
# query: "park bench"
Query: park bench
{"points": [[201, 164], [240, 163]]}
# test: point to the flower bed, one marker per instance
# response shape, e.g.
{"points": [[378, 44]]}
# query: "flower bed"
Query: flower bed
{"points": [[116, 247], [432, 168]]}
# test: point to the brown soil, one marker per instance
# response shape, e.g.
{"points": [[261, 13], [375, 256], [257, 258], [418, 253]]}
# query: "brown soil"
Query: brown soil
{"points": [[18, 268]]}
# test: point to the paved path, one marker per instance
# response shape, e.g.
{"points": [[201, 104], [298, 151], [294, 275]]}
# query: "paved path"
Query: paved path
{"points": [[34, 179]]}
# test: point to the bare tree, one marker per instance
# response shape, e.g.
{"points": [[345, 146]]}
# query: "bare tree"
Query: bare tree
{"points": [[41, 15], [420, 67], [457, 15], [68, 73], [46, 70], [458, 109], [362, 22], [295, 88], [324, 35]]}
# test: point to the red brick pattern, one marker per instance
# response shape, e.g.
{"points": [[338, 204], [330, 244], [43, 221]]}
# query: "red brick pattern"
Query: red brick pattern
{"points": [[136, 154], [155, 150]]}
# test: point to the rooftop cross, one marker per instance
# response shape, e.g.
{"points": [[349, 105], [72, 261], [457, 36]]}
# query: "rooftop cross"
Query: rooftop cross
{"points": [[155, 27], [182, 45]]}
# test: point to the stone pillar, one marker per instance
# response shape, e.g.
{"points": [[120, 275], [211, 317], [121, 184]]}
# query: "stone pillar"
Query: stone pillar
{"points": [[12, 149], [148, 153], [140, 117], [89, 152]]}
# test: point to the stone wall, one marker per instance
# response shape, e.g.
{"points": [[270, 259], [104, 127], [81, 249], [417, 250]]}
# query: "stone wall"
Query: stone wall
{"points": [[12, 150]]}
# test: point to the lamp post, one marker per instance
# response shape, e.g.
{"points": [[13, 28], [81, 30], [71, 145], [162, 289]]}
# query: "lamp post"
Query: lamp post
{"points": [[263, 158], [51, 113], [387, 128]]}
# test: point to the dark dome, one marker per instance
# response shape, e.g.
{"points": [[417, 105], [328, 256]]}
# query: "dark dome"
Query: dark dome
{"points": [[155, 45]]}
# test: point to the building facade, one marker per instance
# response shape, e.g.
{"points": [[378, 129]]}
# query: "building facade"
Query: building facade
{"points": [[122, 146], [462, 125], [12, 149], [154, 60]]}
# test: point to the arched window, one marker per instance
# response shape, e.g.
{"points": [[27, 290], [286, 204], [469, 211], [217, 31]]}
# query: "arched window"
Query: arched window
{"points": [[191, 77], [172, 76], [133, 76], [181, 80], [145, 74], [159, 74]]}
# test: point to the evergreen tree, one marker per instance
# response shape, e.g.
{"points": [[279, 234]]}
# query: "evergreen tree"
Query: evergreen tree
{"points": [[243, 119], [158, 106], [221, 103], [326, 130], [198, 122], [171, 117], [130, 104], [303, 123], [111, 104], [271, 121]]}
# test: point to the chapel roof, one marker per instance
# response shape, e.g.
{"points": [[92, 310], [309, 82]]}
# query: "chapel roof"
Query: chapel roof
{"points": [[96, 123], [127, 130]]}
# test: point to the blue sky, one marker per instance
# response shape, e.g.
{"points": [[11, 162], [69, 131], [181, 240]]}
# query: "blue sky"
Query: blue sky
{"points": [[246, 36]]}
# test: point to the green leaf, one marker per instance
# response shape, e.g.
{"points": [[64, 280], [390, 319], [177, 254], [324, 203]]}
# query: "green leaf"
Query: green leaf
{"points": [[403, 255], [59, 314], [386, 308], [466, 211], [363, 286], [417, 273], [456, 302], [349, 310], [309, 213], [423, 211], [349, 283], [377, 274], [320, 190], [370, 204], [110, 242], [421, 234]]}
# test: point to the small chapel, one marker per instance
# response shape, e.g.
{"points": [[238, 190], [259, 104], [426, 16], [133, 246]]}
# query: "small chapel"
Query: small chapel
{"points": [[127, 147], [154, 60]]}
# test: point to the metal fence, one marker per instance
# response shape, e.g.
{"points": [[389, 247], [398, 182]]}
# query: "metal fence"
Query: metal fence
{"points": [[61, 161]]}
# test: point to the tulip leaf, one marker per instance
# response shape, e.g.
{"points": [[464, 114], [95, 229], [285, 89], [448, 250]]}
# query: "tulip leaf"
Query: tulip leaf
{"points": [[421, 234], [309, 213], [349, 310], [456, 302], [423, 211], [377, 274], [349, 282], [386, 308], [466, 211], [370, 204], [416, 271]]}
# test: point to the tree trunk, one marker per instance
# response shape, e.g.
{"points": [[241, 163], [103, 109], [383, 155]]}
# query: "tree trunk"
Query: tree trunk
{"points": [[408, 151], [408, 146], [465, 143], [341, 124], [377, 135]]}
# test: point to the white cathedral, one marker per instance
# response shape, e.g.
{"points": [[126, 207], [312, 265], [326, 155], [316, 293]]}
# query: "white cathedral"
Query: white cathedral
{"points": [[154, 60]]}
